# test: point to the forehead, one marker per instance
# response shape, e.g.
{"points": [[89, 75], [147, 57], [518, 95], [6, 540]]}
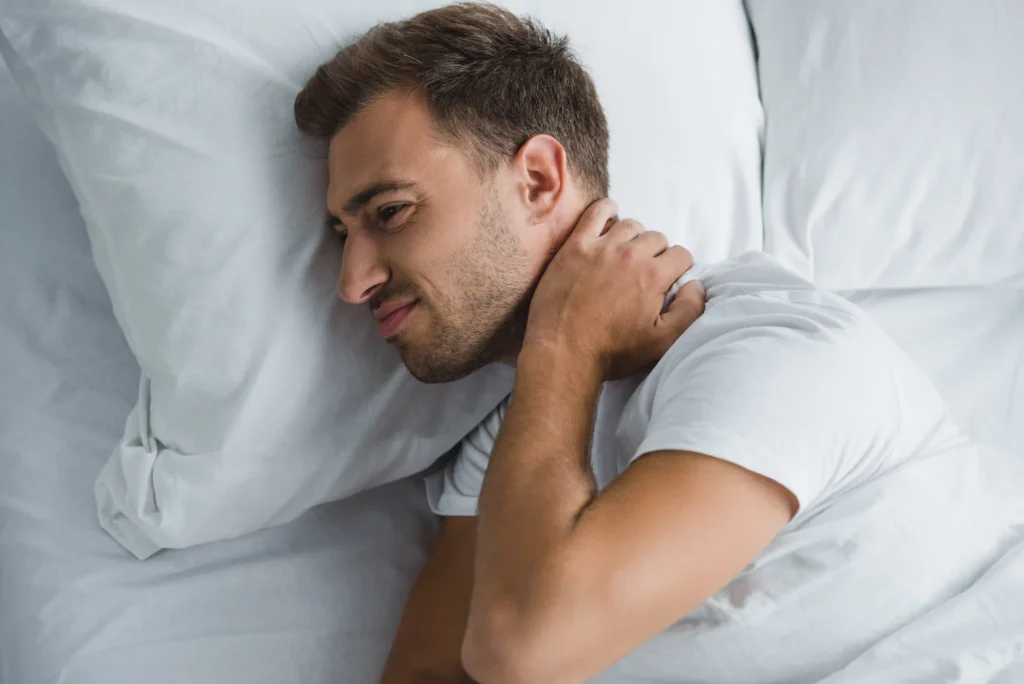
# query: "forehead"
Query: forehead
{"points": [[393, 138]]}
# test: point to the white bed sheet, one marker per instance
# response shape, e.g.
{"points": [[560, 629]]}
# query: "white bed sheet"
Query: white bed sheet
{"points": [[974, 638], [970, 341], [313, 601]]}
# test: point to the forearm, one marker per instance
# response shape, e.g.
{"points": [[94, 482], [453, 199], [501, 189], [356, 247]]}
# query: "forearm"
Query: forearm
{"points": [[411, 670], [538, 483], [420, 676], [427, 648], [539, 478], [428, 645]]}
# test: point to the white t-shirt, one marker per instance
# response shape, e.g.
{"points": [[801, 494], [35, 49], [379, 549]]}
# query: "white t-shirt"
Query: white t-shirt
{"points": [[898, 511]]}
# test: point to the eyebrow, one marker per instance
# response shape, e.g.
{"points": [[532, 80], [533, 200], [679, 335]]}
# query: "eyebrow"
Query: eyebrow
{"points": [[366, 195]]}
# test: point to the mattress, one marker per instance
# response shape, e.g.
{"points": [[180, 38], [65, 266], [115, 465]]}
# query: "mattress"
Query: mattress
{"points": [[317, 600]]}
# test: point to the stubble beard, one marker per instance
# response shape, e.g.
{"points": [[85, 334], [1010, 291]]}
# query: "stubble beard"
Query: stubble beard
{"points": [[483, 320]]}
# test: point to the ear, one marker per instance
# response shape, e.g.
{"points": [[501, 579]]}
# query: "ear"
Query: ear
{"points": [[541, 167]]}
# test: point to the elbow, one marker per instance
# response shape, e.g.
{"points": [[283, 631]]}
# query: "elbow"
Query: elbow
{"points": [[486, 658], [506, 643], [499, 649], [529, 630]]}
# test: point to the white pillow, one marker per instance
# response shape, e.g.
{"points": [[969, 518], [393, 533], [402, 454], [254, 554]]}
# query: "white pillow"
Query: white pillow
{"points": [[894, 147], [262, 396]]}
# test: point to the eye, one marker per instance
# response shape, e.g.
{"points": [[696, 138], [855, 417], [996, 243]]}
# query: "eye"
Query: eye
{"points": [[388, 212], [335, 225]]}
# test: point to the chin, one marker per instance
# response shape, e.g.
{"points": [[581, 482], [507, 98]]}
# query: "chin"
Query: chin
{"points": [[431, 370], [433, 375], [422, 368]]}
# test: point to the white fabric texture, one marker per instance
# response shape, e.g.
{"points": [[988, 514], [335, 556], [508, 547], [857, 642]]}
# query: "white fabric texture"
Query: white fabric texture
{"points": [[314, 601], [978, 636], [894, 142], [969, 341], [893, 170], [261, 395], [802, 387]]}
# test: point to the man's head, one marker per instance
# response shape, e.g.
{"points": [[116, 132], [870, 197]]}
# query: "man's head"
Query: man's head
{"points": [[465, 143]]}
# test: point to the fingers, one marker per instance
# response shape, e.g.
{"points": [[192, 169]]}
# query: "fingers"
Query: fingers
{"points": [[673, 263], [677, 257], [595, 219], [650, 243], [624, 231], [686, 308]]}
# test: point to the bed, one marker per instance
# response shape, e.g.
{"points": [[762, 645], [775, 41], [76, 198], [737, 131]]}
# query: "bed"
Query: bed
{"points": [[318, 599]]}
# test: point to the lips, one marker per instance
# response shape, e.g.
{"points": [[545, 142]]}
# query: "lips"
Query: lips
{"points": [[390, 317]]}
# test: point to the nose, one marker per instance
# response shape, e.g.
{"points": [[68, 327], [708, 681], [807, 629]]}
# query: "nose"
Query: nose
{"points": [[363, 270]]}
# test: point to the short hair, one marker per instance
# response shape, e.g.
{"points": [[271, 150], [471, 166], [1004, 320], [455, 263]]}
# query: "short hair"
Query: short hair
{"points": [[491, 80]]}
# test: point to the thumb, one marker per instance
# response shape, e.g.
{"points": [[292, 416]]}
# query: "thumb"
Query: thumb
{"points": [[686, 308]]}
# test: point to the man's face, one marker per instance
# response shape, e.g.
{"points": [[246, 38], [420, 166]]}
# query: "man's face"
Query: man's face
{"points": [[436, 251]]}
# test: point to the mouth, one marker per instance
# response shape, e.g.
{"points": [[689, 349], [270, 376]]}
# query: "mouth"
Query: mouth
{"points": [[391, 318]]}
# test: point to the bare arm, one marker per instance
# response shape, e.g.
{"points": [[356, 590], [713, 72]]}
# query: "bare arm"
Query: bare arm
{"points": [[428, 645], [569, 580]]}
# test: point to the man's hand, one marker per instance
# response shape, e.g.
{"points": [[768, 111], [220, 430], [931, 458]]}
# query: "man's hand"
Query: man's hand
{"points": [[602, 296]]}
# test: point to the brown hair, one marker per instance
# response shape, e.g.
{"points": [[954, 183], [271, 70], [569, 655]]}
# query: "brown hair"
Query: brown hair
{"points": [[489, 78]]}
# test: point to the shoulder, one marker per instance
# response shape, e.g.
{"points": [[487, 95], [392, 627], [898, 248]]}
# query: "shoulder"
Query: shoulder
{"points": [[757, 307], [773, 349], [776, 357]]}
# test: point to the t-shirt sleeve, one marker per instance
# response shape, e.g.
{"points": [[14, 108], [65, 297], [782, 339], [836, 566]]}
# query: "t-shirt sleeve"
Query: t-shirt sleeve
{"points": [[455, 490], [801, 394]]}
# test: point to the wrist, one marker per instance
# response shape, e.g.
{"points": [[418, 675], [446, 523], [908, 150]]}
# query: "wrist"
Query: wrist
{"points": [[547, 362]]}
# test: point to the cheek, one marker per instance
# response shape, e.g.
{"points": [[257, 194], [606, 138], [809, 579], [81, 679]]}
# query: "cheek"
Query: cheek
{"points": [[435, 253]]}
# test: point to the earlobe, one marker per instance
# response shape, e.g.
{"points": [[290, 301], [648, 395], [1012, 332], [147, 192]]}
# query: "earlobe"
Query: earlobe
{"points": [[542, 166]]}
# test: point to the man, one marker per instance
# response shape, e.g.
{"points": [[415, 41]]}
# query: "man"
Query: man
{"points": [[756, 492]]}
